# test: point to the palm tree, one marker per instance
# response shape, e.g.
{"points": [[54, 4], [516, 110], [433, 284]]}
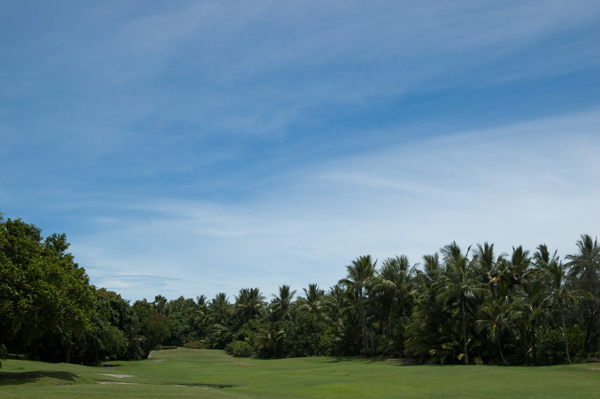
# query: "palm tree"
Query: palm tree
{"points": [[486, 265], [219, 309], [585, 267], [395, 278], [360, 275], [496, 316], [460, 283], [561, 294], [518, 269], [280, 305], [532, 302], [425, 335], [314, 299], [335, 303], [249, 303], [219, 316], [271, 337], [200, 314]]}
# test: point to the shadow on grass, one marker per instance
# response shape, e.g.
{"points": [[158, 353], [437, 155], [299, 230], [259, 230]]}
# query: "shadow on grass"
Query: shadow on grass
{"points": [[378, 359], [25, 377], [209, 385], [338, 359]]}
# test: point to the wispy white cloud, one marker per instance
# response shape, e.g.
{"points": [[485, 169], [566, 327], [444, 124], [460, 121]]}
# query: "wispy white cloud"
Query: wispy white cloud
{"points": [[520, 184], [200, 147]]}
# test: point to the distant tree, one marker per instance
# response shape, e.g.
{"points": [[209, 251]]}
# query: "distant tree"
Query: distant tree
{"points": [[249, 303], [42, 290], [460, 284], [271, 338], [495, 317], [561, 294], [200, 315], [153, 328], [313, 300], [360, 275], [280, 304], [585, 268]]}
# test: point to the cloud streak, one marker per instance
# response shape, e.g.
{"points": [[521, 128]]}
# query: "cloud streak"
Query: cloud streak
{"points": [[211, 146], [521, 184]]}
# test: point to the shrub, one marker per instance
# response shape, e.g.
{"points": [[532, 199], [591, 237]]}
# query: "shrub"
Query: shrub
{"points": [[239, 349], [199, 344], [551, 349], [3, 354], [161, 347]]}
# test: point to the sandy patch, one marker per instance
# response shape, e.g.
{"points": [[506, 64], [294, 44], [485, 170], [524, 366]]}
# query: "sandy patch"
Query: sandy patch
{"points": [[160, 360], [116, 375], [116, 382]]}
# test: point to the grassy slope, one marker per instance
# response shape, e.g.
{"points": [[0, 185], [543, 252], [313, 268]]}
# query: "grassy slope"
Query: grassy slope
{"points": [[293, 378]]}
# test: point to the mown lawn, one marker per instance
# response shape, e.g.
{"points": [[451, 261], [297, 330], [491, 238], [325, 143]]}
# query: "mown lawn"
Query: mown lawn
{"points": [[184, 373]]}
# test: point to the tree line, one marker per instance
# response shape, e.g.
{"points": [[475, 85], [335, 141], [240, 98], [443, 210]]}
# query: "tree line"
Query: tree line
{"points": [[455, 307]]}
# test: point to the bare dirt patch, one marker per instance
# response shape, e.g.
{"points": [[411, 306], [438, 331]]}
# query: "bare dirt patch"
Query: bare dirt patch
{"points": [[116, 375], [116, 382], [160, 360]]}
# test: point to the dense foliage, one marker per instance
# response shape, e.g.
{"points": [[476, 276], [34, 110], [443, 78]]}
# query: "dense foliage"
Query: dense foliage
{"points": [[458, 306]]}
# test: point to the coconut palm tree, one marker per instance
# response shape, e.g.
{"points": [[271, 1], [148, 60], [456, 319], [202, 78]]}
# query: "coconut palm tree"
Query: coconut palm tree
{"points": [[531, 300], [395, 279], [360, 275], [495, 317], [313, 302], [426, 334], [561, 292], [271, 337], [280, 305], [200, 314], [249, 303], [219, 309], [518, 269], [585, 268], [335, 303], [486, 265], [460, 284]]}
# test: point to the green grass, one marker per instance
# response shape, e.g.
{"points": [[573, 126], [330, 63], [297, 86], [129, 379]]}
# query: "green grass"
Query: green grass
{"points": [[201, 373]]}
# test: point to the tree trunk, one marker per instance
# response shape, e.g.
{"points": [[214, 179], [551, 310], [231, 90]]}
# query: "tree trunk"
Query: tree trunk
{"points": [[372, 338], [533, 342], [562, 313], [363, 321], [464, 327], [404, 310], [371, 326], [391, 318], [590, 326], [501, 354], [69, 352]]}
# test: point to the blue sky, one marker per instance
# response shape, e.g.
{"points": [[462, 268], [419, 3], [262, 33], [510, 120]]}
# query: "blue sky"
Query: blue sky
{"points": [[198, 147]]}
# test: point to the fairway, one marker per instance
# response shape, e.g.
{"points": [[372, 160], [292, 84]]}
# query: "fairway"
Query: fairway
{"points": [[186, 373]]}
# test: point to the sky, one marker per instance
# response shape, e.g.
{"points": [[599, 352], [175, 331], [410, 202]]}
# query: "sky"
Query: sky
{"points": [[197, 147]]}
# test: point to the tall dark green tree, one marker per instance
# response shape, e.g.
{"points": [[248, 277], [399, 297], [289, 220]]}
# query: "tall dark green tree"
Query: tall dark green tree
{"points": [[585, 268], [249, 304], [360, 276], [460, 284], [280, 304], [42, 289]]}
